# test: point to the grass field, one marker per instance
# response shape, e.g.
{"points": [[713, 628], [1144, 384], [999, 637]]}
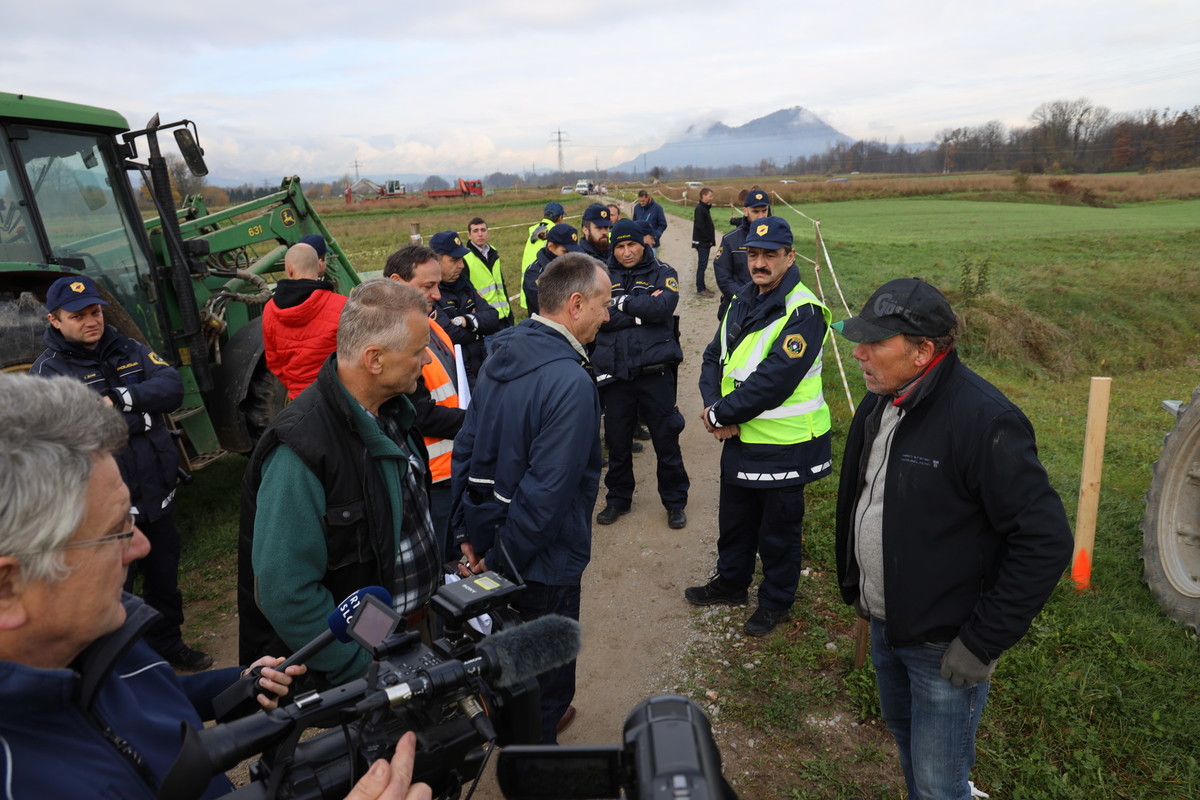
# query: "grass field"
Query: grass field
{"points": [[1100, 699]]}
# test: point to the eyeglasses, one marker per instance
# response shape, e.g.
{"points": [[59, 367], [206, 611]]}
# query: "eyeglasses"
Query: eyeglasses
{"points": [[123, 536]]}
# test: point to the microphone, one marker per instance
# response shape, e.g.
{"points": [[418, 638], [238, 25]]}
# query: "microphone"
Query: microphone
{"points": [[238, 700], [506, 658]]}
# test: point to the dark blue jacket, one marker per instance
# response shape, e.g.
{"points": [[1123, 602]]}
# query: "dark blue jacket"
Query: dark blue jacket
{"points": [[143, 387], [530, 278], [730, 266], [640, 331], [974, 537], [52, 731], [768, 387], [526, 463], [654, 216], [461, 299]]}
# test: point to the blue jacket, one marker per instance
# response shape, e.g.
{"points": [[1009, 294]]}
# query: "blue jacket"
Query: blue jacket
{"points": [[768, 387], [530, 278], [654, 216], [731, 267], [640, 331], [143, 387], [461, 299], [526, 463], [52, 731]]}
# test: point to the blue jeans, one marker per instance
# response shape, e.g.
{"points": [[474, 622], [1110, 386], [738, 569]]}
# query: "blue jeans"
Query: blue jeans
{"points": [[932, 720]]}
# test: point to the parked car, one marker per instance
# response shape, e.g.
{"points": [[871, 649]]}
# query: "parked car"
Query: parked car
{"points": [[566, 190], [583, 186]]}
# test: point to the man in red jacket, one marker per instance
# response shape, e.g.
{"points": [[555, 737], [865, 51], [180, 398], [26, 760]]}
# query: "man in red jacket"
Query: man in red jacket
{"points": [[300, 322]]}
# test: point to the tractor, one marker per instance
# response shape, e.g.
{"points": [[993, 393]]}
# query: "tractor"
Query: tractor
{"points": [[188, 283]]}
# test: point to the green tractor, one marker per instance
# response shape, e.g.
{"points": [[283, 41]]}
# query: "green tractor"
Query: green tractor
{"points": [[188, 283]]}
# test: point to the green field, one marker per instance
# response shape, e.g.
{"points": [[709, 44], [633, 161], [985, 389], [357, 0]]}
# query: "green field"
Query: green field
{"points": [[1100, 699]]}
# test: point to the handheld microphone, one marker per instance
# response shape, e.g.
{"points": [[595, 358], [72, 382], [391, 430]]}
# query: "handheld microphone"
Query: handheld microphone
{"points": [[238, 700]]}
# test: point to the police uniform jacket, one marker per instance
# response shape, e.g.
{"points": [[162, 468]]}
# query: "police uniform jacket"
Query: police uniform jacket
{"points": [[461, 299], [143, 387], [787, 362], [640, 333], [974, 537], [529, 288], [730, 266]]}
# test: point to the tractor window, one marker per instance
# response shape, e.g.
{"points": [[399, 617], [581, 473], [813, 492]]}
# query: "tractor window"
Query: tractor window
{"points": [[17, 242], [87, 225]]}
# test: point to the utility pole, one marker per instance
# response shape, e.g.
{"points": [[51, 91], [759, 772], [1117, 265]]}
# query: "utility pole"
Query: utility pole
{"points": [[356, 166], [559, 134]]}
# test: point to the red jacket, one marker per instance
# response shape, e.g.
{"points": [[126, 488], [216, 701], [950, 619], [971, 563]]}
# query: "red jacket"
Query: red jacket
{"points": [[299, 328]]}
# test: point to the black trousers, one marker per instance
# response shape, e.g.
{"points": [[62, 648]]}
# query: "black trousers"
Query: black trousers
{"points": [[701, 265], [654, 397], [767, 522], [557, 685], [160, 582]]}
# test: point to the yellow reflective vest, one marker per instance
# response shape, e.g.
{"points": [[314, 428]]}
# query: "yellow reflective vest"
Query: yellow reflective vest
{"points": [[804, 415], [488, 282], [532, 246]]}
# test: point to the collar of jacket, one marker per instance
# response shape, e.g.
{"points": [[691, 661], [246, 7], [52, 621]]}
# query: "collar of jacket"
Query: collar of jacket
{"points": [[57, 342], [97, 660], [330, 386], [923, 385]]}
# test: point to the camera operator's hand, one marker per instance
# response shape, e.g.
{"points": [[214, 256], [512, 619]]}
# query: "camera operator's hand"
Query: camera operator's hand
{"points": [[475, 564], [273, 680], [385, 781]]}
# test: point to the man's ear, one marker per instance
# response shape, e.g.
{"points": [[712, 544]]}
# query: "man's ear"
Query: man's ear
{"points": [[924, 355], [372, 359], [12, 606], [53, 320]]}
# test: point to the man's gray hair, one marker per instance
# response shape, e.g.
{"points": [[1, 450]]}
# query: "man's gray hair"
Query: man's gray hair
{"points": [[374, 315], [566, 275], [52, 432]]}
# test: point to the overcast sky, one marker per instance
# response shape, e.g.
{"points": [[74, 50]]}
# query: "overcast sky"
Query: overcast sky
{"points": [[466, 88]]}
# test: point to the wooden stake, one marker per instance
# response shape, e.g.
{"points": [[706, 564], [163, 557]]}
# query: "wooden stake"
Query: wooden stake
{"points": [[1089, 482]]}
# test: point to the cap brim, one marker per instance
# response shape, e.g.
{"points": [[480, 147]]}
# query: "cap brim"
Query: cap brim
{"points": [[763, 244], [458, 252], [856, 329], [80, 303], [573, 248]]}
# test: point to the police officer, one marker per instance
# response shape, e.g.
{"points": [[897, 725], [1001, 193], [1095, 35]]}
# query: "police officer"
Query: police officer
{"points": [[141, 385], [761, 386], [460, 310], [730, 266], [562, 238], [597, 225], [635, 360], [484, 271], [552, 215]]}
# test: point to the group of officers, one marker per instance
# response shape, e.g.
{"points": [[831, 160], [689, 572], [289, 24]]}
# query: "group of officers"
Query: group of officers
{"points": [[375, 474]]}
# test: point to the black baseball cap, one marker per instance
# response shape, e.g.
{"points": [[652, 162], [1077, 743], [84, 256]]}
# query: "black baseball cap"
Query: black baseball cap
{"points": [[73, 293], [565, 235], [598, 215], [553, 209], [769, 233], [316, 241], [756, 199], [904, 305], [447, 243]]}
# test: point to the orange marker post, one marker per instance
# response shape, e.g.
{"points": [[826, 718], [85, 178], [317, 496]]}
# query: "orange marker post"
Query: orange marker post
{"points": [[1089, 482]]}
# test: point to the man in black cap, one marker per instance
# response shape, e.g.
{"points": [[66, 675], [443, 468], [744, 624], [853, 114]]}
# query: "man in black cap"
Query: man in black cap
{"points": [[141, 385], [761, 385], [730, 266], [597, 225], [552, 214], [560, 239], [650, 212], [950, 538], [635, 361], [461, 310]]}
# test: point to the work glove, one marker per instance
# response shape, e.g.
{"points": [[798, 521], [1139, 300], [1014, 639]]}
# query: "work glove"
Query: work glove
{"points": [[963, 668]]}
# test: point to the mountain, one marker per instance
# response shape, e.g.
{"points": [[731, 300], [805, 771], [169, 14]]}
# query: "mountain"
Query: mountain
{"points": [[780, 136]]}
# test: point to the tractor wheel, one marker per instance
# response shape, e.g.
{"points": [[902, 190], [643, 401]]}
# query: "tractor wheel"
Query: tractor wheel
{"points": [[22, 324], [1171, 527], [265, 397]]}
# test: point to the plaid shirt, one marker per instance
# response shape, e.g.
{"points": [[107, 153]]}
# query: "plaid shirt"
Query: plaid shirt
{"points": [[417, 562]]}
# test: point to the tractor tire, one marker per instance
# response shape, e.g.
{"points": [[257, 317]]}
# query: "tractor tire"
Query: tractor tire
{"points": [[1171, 527], [265, 397], [22, 325]]}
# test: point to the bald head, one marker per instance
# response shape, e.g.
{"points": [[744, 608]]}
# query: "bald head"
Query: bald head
{"points": [[302, 261]]}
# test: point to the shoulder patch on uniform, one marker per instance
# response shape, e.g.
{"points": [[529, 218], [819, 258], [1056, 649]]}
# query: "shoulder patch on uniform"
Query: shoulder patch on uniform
{"points": [[673, 284], [794, 345], [157, 359]]}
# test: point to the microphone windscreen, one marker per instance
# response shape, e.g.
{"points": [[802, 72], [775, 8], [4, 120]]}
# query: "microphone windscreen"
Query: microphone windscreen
{"points": [[534, 647], [339, 619]]}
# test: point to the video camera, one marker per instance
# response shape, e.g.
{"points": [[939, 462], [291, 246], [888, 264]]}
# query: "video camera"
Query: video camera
{"points": [[462, 697]]}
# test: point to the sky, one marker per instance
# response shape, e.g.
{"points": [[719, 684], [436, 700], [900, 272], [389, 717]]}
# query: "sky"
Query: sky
{"points": [[464, 89]]}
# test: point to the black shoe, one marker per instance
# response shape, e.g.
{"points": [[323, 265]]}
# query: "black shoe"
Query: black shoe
{"points": [[610, 513], [716, 591], [185, 659], [676, 519], [637, 447], [764, 620], [641, 433]]}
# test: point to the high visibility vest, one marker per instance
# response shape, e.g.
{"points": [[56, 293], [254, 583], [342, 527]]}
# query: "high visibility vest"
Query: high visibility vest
{"points": [[440, 383], [488, 282], [804, 415], [531, 251]]}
